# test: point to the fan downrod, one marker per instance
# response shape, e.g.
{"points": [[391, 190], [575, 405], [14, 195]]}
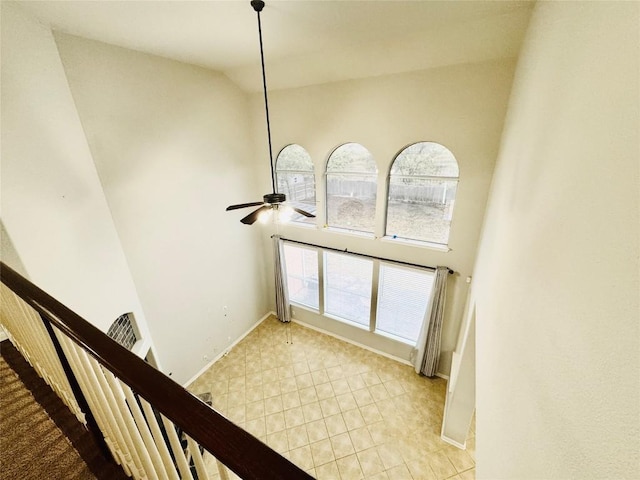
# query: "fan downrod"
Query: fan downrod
{"points": [[271, 201]]}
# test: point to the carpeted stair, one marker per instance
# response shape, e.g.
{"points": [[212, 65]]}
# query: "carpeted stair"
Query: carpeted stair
{"points": [[39, 437]]}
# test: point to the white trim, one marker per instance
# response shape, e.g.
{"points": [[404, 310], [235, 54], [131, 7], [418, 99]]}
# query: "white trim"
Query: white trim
{"points": [[3, 335], [141, 348], [306, 325], [462, 446], [347, 231], [443, 437], [308, 308], [427, 177], [416, 243], [344, 339], [294, 223], [395, 338], [364, 328], [361, 327], [226, 351]]}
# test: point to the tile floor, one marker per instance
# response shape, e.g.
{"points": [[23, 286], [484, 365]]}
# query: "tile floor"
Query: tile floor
{"points": [[336, 410]]}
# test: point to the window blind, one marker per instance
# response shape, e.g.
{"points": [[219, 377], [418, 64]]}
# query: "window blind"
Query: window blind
{"points": [[403, 294], [348, 287]]}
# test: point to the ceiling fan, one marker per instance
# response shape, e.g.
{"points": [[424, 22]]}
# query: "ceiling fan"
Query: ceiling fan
{"points": [[270, 201]]}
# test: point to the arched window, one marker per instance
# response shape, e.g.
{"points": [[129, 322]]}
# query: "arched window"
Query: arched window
{"points": [[295, 178], [422, 191], [351, 188]]}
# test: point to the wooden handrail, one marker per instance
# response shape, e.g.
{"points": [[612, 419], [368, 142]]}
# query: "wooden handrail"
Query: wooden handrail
{"points": [[240, 451]]}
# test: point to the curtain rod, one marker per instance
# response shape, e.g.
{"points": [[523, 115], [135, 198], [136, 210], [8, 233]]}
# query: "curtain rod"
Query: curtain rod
{"points": [[361, 254]]}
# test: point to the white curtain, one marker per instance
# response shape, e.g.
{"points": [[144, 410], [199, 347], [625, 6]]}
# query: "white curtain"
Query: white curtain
{"points": [[428, 346], [282, 292]]}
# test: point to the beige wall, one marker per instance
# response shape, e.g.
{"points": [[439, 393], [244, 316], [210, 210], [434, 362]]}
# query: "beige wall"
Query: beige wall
{"points": [[461, 107], [171, 145], [54, 213], [557, 278]]}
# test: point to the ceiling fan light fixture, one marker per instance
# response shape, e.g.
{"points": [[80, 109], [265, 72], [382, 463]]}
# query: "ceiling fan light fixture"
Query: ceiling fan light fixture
{"points": [[271, 201], [265, 216], [274, 198], [285, 212]]}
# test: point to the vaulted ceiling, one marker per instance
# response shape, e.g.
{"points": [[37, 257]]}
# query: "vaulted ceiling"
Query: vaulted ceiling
{"points": [[306, 42]]}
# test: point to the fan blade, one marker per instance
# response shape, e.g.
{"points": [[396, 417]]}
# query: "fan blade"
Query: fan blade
{"points": [[243, 205], [302, 212], [253, 216]]}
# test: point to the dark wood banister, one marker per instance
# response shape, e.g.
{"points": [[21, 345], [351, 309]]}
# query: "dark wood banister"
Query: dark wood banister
{"points": [[241, 452]]}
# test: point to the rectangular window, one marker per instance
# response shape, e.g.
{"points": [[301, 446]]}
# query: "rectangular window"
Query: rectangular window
{"points": [[403, 294], [387, 298], [348, 287], [351, 201], [420, 208], [302, 275], [300, 189]]}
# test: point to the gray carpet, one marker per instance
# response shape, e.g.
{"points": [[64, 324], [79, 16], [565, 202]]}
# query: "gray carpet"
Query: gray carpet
{"points": [[39, 437]]}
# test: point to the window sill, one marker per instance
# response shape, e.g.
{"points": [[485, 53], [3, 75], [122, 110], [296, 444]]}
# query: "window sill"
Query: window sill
{"points": [[417, 243], [351, 323], [346, 231], [293, 304], [395, 337], [346, 321], [292, 223]]}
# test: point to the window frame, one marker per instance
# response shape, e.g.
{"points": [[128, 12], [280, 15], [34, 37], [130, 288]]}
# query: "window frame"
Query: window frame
{"points": [[372, 328], [325, 280], [399, 266], [350, 173], [297, 219], [433, 243], [320, 298]]}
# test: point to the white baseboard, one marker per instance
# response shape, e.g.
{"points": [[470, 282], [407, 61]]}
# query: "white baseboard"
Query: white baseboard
{"points": [[312, 327], [3, 336], [357, 344], [461, 446], [225, 351], [348, 340]]}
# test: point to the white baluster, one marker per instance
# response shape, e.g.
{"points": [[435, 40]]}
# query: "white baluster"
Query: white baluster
{"points": [[145, 434], [159, 439], [130, 424], [97, 401], [178, 452], [119, 415], [222, 470], [194, 448]]}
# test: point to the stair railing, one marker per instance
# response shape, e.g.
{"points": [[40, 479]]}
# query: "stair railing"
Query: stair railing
{"points": [[149, 424]]}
